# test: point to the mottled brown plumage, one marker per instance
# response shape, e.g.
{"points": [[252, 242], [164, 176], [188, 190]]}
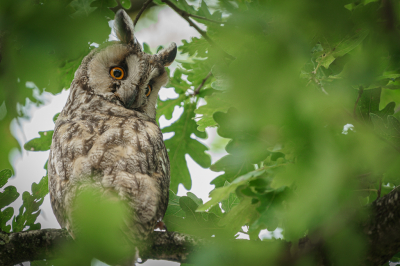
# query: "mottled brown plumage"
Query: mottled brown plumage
{"points": [[106, 137]]}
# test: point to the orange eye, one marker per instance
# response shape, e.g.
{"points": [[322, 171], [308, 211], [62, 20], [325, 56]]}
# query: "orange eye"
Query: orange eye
{"points": [[148, 90], [117, 73]]}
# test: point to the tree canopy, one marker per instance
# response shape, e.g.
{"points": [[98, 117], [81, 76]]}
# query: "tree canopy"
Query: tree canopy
{"points": [[307, 92]]}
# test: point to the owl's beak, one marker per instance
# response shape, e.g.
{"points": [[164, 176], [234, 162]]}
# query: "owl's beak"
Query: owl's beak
{"points": [[127, 94]]}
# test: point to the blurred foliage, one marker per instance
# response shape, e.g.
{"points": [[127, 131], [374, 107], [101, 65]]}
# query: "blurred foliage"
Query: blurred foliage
{"points": [[310, 106], [7, 196]]}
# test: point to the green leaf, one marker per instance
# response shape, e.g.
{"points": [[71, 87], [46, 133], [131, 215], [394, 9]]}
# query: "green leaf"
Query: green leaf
{"points": [[5, 216], [230, 202], [219, 194], [216, 102], [196, 47], [369, 103], [174, 209], [270, 208], [189, 206], [42, 143], [5, 174], [42, 189], [146, 48], [68, 68], [112, 244], [220, 74], [243, 213], [358, 4], [178, 82], [159, 48], [233, 166], [8, 196], [167, 107], [201, 224], [342, 48], [82, 7], [379, 125], [181, 144], [388, 128], [29, 211], [197, 70], [55, 117], [247, 141], [197, 200]]}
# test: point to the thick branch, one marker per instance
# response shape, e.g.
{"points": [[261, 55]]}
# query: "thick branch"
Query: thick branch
{"points": [[171, 246], [42, 244], [381, 230], [186, 16], [31, 245]]}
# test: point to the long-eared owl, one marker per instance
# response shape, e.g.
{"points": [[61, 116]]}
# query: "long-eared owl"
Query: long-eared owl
{"points": [[106, 135]]}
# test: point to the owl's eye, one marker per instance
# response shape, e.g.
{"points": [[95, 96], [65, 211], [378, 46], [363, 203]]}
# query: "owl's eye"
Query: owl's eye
{"points": [[148, 90], [117, 73]]}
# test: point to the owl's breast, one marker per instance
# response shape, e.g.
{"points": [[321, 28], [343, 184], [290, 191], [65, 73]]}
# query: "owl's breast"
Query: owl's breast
{"points": [[125, 154], [121, 144]]}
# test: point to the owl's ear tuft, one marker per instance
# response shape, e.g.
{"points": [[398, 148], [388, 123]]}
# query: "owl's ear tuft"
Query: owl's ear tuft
{"points": [[123, 27], [167, 55]]}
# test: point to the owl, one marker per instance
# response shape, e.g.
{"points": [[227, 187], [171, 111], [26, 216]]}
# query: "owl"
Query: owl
{"points": [[106, 136]]}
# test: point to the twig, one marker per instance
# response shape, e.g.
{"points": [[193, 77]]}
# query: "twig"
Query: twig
{"points": [[367, 189], [118, 7], [197, 90], [184, 14], [204, 18], [360, 92], [135, 5], [186, 17], [380, 189], [145, 5]]}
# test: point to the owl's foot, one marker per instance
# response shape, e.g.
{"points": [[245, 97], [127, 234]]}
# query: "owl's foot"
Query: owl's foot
{"points": [[161, 226]]}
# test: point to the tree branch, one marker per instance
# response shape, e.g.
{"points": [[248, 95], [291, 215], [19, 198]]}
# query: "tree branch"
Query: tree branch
{"points": [[43, 244], [145, 5], [380, 229], [197, 90], [31, 245], [206, 19], [360, 92], [135, 5], [186, 16]]}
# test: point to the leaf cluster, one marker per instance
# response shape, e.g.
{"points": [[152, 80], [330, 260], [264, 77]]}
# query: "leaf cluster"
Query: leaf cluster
{"points": [[308, 99]]}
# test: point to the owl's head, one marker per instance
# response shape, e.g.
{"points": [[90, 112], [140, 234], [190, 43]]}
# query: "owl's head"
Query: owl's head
{"points": [[120, 72]]}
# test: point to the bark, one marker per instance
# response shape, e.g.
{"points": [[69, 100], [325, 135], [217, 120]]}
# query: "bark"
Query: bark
{"points": [[381, 228], [30, 245], [43, 244]]}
